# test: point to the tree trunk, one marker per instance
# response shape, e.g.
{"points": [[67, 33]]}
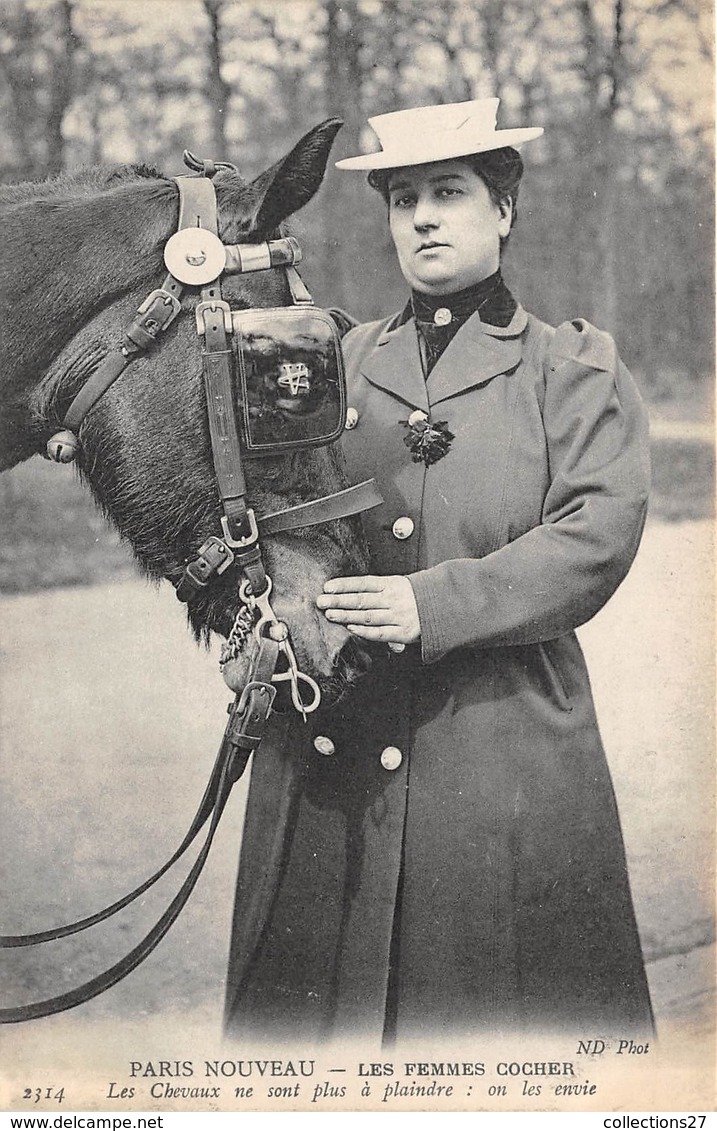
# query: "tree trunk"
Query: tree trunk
{"points": [[22, 95], [600, 158], [217, 90], [61, 87], [611, 211], [343, 198]]}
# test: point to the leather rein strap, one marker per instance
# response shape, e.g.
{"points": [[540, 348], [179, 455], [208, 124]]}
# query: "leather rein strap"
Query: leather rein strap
{"points": [[249, 713], [230, 764]]}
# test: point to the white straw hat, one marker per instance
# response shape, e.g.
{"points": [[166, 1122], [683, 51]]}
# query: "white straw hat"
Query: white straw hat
{"points": [[438, 133]]}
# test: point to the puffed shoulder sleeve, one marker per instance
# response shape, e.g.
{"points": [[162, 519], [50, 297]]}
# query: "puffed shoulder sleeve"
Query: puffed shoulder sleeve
{"points": [[343, 320], [559, 574]]}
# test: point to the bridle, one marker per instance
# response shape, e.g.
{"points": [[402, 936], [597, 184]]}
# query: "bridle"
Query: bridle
{"points": [[195, 257]]}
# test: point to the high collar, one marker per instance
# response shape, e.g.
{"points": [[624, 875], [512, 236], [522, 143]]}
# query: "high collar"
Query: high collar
{"points": [[490, 298], [477, 353]]}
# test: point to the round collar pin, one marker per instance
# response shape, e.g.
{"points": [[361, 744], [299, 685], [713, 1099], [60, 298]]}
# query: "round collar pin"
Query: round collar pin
{"points": [[443, 316]]}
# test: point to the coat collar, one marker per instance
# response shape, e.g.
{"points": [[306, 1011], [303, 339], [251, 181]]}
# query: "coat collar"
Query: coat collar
{"points": [[478, 353]]}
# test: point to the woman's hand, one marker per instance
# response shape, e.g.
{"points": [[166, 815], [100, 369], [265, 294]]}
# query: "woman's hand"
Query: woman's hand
{"points": [[374, 608]]}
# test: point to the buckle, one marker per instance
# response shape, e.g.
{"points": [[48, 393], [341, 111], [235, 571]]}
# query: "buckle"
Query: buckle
{"points": [[248, 715], [249, 540], [161, 318], [213, 305], [216, 554], [156, 313]]}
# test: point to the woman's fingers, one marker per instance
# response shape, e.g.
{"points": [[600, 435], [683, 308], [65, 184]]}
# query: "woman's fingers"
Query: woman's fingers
{"points": [[353, 600], [368, 584], [375, 608], [357, 615]]}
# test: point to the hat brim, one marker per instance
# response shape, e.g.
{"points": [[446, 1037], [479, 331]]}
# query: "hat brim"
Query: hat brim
{"points": [[423, 151]]}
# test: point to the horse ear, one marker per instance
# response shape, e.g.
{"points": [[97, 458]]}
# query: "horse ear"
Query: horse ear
{"points": [[290, 184]]}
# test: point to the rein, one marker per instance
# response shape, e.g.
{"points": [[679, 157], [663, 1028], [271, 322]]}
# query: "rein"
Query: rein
{"points": [[196, 257]]}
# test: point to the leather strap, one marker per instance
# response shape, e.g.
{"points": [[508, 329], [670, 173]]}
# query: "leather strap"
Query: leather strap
{"points": [[215, 555], [155, 314], [247, 721], [232, 759], [226, 449], [353, 500], [300, 293], [105, 375], [8, 942], [197, 203], [198, 208]]}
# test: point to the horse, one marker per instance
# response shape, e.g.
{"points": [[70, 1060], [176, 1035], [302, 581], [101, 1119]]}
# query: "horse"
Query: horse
{"points": [[81, 252]]}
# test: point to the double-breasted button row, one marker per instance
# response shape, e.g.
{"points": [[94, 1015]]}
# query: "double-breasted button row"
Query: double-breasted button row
{"points": [[391, 756]]}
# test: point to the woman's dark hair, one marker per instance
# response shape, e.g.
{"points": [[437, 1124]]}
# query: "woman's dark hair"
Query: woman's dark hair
{"points": [[500, 169]]}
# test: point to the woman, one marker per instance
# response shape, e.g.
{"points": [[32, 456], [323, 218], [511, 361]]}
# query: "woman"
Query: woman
{"points": [[444, 852]]}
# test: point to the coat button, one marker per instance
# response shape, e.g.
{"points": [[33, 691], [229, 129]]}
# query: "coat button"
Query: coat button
{"points": [[418, 416], [352, 419], [324, 745], [403, 528], [391, 758], [396, 646]]}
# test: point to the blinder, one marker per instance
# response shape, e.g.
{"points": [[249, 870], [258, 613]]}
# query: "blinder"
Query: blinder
{"points": [[290, 388]]}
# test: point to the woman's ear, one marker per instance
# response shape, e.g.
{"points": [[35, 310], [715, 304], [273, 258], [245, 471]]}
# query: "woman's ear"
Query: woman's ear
{"points": [[505, 216]]}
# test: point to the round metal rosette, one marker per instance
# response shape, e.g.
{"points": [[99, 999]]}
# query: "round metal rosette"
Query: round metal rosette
{"points": [[195, 256]]}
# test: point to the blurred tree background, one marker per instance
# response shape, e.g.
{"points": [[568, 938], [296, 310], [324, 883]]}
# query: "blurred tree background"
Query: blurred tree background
{"points": [[616, 213]]}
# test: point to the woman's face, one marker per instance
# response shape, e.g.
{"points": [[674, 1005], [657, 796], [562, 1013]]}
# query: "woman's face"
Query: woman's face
{"points": [[445, 227]]}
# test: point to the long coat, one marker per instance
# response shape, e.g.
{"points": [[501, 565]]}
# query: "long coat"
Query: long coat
{"points": [[456, 866]]}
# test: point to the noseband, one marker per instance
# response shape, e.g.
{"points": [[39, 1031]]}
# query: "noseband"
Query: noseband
{"points": [[195, 257]]}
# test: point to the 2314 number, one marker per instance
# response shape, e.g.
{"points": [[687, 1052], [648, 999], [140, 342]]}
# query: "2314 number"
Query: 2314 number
{"points": [[37, 1094]]}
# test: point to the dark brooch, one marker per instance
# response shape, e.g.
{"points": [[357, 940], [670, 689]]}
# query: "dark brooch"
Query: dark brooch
{"points": [[428, 441]]}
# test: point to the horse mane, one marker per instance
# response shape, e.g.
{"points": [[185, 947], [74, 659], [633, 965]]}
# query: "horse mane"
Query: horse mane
{"points": [[84, 179]]}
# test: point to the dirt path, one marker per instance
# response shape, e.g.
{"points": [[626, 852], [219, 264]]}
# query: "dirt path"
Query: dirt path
{"points": [[110, 718]]}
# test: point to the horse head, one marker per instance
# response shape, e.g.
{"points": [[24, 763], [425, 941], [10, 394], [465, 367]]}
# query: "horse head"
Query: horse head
{"points": [[84, 251]]}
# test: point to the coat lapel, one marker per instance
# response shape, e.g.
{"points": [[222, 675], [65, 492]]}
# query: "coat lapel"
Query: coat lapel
{"points": [[395, 365], [476, 354]]}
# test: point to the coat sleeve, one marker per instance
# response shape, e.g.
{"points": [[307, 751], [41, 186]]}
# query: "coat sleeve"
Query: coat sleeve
{"points": [[559, 574]]}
